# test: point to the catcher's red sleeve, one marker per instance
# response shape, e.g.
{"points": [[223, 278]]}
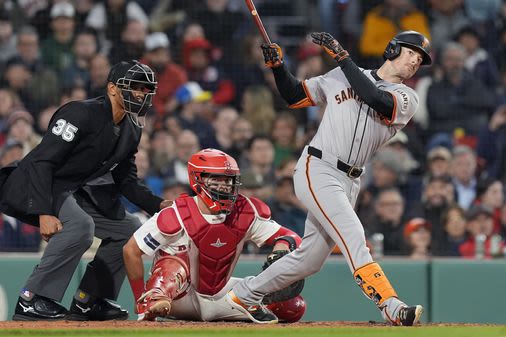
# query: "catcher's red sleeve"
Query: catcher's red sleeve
{"points": [[284, 232]]}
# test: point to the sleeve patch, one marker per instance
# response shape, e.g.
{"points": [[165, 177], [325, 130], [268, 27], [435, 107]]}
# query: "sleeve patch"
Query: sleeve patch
{"points": [[151, 242], [403, 103], [168, 222], [263, 210]]}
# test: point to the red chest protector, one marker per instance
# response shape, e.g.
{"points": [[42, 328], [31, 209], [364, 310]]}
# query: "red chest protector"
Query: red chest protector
{"points": [[217, 243]]}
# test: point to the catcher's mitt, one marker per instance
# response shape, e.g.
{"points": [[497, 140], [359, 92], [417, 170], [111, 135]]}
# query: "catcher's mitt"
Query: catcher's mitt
{"points": [[287, 293]]}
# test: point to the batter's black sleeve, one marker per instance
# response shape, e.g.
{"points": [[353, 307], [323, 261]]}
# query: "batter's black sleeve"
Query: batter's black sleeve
{"points": [[125, 176], [380, 100], [67, 127], [289, 87]]}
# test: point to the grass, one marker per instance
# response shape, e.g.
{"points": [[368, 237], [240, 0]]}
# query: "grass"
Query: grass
{"points": [[430, 331]]}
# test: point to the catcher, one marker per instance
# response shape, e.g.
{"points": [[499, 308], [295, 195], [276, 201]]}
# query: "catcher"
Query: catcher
{"points": [[196, 243]]}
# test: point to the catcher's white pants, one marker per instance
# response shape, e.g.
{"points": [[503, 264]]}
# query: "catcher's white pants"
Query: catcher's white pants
{"points": [[198, 307], [329, 195]]}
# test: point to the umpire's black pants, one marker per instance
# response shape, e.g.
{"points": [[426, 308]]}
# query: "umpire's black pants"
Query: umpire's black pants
{"points": [[81, 222]]}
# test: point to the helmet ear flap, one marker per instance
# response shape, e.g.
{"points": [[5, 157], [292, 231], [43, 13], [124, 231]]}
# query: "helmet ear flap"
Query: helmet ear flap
{"points": [[392, 50]]}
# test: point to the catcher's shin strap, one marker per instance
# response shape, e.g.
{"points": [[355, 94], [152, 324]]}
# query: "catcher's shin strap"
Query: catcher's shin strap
{"points": [[351, 171], [373, 282]]}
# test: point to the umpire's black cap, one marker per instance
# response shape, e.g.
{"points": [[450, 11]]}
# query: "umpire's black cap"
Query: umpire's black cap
{"points": [[119, 70]]}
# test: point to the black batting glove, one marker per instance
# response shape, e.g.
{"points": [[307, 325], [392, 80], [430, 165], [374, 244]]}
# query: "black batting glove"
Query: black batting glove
{"points": [[330, 45], [273, 56]]}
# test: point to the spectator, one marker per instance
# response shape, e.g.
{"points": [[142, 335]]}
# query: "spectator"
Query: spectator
{"points": [[438, 162], [202, 68], [162, 147], [56, 50], [259, 161], [455, 232], [463, 170], [249, 67], [7, 37], [99, 69], [110, 18], [75, 93], [21, 124], [286, 208], [223, 124], [220, 25], [85, 47], [491, 148], [418, 238], [385, 21], [503, 221], [242, 132], [437, 196], [258, 108], [284, 135], [479, 221], [457, 100], [478, 61], [173, 189], [44, 118], [8, 102], [11, 151], [193, 102], [131, 44], [388, 219], [389, 170], [490, 193], [168, 16], [399, 143], [446, 18], [28, 49], [187, 143], [146, 177], [286, 168], [170, 75]]}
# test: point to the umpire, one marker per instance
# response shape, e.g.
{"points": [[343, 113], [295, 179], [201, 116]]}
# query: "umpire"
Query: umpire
{"points": [[69, 186]]}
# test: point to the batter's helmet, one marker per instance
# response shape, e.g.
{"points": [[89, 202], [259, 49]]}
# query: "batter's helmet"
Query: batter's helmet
{"points": [[214, 163], [410, 39]]}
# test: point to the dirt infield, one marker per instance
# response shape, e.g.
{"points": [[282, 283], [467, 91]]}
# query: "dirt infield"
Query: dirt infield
{"points": [[190, 325]]}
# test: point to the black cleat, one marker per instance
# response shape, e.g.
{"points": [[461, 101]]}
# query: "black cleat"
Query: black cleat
{"points": [[409, 316], [256, 313], [39, 308], [96, 310]]}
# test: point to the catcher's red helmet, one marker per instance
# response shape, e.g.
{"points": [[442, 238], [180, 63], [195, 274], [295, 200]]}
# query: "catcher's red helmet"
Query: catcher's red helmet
{"points": [[209, 163], [290, 310]]}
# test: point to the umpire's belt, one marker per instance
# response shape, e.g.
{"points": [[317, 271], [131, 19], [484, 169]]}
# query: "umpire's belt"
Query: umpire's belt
{"points": [[351, 171]]}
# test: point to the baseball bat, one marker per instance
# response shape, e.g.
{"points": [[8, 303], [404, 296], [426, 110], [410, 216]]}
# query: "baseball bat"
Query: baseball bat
{"points": [[258, 21]]}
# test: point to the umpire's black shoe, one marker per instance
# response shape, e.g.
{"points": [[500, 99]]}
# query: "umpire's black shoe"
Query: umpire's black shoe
{"points": [[409, 316], [39, 308], [256, 313], [96, 310]]}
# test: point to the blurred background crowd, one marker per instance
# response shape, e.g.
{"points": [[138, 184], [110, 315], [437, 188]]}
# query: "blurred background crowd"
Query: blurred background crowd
{"points": [[436, 189]]}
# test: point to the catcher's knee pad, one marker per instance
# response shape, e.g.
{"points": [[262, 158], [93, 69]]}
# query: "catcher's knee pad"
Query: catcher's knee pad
{"points": [[290, 310], [373, 282], [171, 275]]}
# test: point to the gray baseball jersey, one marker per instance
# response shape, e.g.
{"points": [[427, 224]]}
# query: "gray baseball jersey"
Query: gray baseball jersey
{"points": [[352, 132]]}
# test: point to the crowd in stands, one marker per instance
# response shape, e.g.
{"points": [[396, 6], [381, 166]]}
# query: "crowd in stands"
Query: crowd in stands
{"points": [[430, 191]]}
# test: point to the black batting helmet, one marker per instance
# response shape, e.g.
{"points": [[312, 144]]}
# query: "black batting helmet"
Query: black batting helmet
{"points": [[410, 39]]}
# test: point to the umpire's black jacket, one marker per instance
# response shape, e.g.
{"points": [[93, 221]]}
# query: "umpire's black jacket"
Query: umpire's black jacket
{"points": [[78, 147]]}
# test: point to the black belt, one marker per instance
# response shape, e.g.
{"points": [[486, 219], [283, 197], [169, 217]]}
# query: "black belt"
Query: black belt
{"points": [[351, 171]]}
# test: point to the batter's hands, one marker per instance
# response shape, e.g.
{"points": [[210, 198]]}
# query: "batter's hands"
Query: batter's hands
{"points": [[330, 45], [49, 226], [273, 55]]}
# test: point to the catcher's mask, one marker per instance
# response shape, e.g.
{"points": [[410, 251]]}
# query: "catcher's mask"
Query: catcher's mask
{"points": [[131, 78], [215, 177], [410, 39]]}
